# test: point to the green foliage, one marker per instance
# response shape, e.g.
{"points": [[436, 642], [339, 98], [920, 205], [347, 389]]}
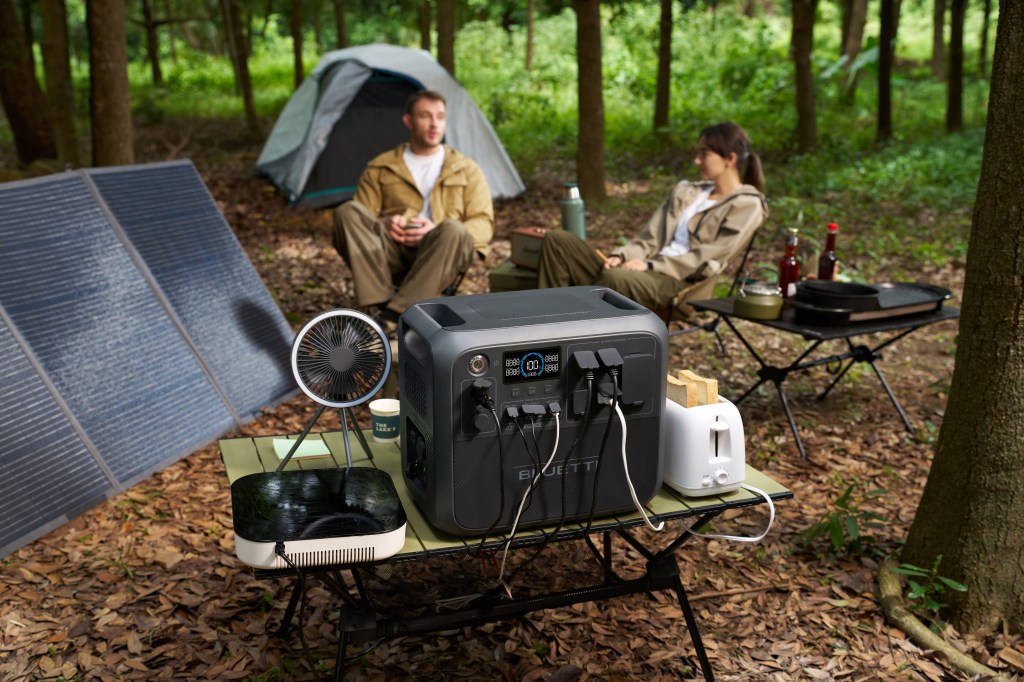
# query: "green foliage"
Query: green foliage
{"points": [[928, 589], [845, 524]]}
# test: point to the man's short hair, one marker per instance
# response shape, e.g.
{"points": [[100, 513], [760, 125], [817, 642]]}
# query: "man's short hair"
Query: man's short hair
{"points": [[432, 95]]}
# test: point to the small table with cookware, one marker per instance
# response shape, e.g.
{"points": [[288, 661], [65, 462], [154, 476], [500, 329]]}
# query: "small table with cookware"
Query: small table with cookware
{"points": [[437, 582], [898, 310]]}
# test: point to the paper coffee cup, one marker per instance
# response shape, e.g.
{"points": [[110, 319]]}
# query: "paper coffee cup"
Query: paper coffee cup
{"points": [[384, 419]]}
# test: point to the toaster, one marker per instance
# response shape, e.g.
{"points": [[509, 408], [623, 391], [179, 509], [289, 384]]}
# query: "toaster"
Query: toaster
{"points": [[704, 448]]}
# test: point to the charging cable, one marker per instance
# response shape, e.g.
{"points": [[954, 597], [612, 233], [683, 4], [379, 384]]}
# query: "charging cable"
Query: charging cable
{"points": [[738, 538], [629, 482]]}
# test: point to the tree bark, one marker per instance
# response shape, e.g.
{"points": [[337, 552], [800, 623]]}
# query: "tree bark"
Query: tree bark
{"points": [[29, 35], [340, 24], [20, 93], [955, 81], [60, 90], [845, 19], [109, 95], [240, 58], [295, 25], [664, 85], [590, 152], [972, 510], [530, 10], [152, 42], [802, 43], [887, 35], [938, 62], [855, 32], [446, 34], [318, 26], [426, 22]]}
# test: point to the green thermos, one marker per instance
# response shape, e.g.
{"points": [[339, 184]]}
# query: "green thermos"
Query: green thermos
{"points": [[572, 210]]}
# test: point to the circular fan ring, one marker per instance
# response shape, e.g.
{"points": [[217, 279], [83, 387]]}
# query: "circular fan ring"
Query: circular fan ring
{"points": [[341, 358]]}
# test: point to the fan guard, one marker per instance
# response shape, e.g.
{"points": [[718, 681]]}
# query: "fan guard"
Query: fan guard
{"points": [[341, 358]]}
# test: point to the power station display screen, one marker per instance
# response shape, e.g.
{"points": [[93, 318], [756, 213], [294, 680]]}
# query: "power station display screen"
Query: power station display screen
{"points": [[531, 364]]}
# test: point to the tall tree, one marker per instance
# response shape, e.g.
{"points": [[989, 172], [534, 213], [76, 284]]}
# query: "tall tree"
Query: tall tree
{"points": [[938, 62], [239, 50], [972, 512], [27, 32], [20, 93], [853, 41], [530, 11], [295, 26], [590, 89], [446, 34], [60, 90], [109, 95], [664, 86], [986, 15], [802, 44], [887, 36], [426, 23], [340, 24], [955, 82], [149, 25]]}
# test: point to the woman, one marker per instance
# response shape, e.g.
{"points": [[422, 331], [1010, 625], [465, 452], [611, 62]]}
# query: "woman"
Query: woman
{"points": [[690, 238]]}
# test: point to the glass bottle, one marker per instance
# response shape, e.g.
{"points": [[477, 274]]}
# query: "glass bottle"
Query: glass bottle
{"points": [[789, 266], [827, 261]]}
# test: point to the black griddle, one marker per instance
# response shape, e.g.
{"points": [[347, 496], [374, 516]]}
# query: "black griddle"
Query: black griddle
{"points": [[840, 303]]}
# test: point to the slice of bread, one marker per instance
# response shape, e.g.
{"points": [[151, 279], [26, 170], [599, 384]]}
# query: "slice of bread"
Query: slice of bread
{"points": [[682, 392], [707, 389]]}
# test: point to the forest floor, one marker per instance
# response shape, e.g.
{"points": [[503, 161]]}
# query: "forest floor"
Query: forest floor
{"points": [[147, 586]]}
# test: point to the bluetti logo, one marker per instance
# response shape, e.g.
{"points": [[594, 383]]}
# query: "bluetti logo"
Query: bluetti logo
{"points": [[586, 466]]}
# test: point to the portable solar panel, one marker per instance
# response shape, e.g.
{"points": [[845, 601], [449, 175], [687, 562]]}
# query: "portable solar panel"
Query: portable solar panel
{"points": [[198, 264], [134, 331]]}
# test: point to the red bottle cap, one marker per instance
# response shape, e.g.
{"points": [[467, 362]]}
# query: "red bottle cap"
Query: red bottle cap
{"points": [[832, 227]]}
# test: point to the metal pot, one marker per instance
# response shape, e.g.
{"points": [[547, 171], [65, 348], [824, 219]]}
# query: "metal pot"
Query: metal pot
{"points": [[758, 301]]}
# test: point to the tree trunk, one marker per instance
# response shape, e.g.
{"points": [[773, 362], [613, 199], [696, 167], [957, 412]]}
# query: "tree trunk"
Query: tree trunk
{"points": [[664, 84], [152, 42], [986, 13], [846, 18], [20, 93], [955, 81], [529, 34], [295, 24], [318, 26], [172, 37], [340, 26], [972, 511], [240, 59], [802, 43], [109, 95], [426, 23], [60, 89], [887, 36], [446, 34], [938, 62], [29, 35], [590, 152], [855, 33]]}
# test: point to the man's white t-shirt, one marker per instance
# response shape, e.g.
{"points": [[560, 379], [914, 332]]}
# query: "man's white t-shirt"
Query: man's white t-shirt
{"points": [[424, 170], [680, 243]]}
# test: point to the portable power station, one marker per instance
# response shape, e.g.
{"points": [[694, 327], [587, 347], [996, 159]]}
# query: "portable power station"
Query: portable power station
{"points": [[489, 383]]}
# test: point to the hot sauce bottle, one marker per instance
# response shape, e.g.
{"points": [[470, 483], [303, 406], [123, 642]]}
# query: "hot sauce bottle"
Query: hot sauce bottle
{"points": [[789, 266], [827, 261]]}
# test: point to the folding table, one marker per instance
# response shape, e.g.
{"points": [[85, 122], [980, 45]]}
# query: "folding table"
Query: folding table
{"points": [[896, 327], [438, 582]]}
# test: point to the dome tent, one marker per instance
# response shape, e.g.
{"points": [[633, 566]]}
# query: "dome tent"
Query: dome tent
{"points": [[350, 109]]}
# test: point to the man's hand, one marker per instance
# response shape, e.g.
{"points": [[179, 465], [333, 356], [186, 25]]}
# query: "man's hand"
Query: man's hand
{"points": [[408, 232], [612, 262], [635, 265]]}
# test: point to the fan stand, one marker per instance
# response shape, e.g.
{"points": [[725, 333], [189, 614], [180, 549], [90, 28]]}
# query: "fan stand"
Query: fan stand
{"points": [[345, 415]]}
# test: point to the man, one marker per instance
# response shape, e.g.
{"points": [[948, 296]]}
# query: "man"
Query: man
{"points": [[419, 213]]}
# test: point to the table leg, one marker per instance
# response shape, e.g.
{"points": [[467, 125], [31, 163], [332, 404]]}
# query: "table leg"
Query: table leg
{"points": [[791, 419], [892, 397], [691, 625], [339, 659], [289, 612]]}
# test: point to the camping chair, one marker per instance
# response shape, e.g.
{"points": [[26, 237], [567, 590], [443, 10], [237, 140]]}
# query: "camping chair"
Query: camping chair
{"points": [[703, 290]]}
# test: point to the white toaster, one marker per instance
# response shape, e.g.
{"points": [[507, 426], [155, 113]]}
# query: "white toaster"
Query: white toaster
{"points": [[704, 448]]}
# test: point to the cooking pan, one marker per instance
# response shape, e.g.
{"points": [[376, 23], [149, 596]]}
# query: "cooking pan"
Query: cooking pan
{"points": [[838, 295]]}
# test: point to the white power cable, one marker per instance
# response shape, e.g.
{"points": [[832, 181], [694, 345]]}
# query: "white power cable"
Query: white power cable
{"points": [[625, 468], [737, 538], [526, 496]]}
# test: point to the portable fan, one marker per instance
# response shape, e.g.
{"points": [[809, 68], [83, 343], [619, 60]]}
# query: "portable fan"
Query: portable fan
{"points": [[340, 359]]}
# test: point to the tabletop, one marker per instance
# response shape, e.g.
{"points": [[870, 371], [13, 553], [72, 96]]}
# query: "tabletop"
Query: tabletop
{"points": [[787, 322], [242, 456]]}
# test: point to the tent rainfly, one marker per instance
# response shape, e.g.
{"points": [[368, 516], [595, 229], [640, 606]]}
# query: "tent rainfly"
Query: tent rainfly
{"points": [[350, 109]]}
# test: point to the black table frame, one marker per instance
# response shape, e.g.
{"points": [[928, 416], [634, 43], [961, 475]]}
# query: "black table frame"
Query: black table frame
{"points": [[361, 622], [819, 334]]}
